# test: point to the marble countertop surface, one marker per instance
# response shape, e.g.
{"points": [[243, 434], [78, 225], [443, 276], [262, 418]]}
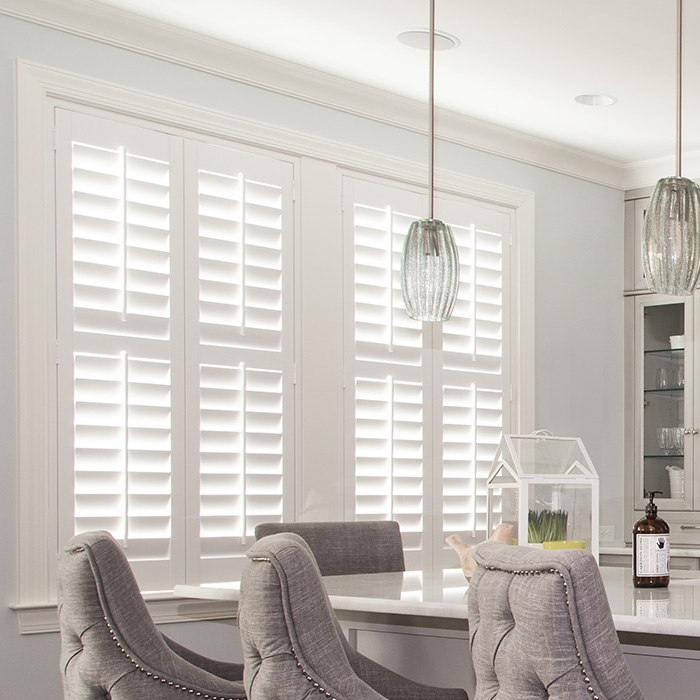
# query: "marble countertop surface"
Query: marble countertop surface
{"points": [[672, 611]]}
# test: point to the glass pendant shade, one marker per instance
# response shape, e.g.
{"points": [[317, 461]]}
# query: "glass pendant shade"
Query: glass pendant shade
{"points": [[671, 245], [429, 271]]}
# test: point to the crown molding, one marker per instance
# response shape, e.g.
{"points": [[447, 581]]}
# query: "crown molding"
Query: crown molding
{"points": [[142, 35], [646, 173]]}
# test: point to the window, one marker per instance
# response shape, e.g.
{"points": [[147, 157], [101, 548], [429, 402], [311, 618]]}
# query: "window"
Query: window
{"points": [[175, 344], [167, 337], [425, 403]]}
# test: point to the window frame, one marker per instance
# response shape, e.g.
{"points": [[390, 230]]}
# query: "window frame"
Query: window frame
{"points": [[38, 88]]}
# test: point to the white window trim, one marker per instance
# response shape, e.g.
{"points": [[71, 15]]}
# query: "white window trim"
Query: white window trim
{"points": [[37, 86]]}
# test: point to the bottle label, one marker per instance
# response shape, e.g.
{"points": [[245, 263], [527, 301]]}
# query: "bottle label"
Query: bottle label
{"points": [[652, 555]]}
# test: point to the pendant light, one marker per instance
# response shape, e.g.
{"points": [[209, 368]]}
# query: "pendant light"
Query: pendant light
{"points": [[430, 263], [671, 245]]}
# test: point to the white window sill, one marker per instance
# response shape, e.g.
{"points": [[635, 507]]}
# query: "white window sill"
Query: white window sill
{"points": [[39, 618]]}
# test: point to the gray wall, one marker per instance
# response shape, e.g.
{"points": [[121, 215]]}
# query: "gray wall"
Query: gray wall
{"points": [[579, 310]]}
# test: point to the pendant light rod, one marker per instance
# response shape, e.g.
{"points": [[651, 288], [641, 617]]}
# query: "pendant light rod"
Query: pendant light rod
{"points": [[431, 118], [430, 260], [679, 85]]}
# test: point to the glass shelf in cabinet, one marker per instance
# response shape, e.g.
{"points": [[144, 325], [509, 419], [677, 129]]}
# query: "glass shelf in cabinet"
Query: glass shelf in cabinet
{"points": [[674, 353]]}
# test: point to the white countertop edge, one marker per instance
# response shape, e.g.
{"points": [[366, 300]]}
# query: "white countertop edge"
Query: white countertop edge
{"points": [[398, 607], [184, 590], [656, 625]]}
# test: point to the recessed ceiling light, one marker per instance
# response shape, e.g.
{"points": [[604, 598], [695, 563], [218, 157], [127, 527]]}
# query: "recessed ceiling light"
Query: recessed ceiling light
{"points": [[596, 100], [420, 39]]}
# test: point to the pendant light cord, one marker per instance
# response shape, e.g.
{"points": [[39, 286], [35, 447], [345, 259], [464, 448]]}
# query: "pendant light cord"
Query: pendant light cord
{"points": [[679, 86], [431, 127]]}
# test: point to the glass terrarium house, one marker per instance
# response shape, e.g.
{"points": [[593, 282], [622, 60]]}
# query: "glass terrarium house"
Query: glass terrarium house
{"points": [[546, 487]]}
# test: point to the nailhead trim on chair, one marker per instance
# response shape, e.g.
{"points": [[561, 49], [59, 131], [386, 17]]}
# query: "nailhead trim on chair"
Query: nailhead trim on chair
{"points": [[538, 572], [155, 677], [309, 678]]}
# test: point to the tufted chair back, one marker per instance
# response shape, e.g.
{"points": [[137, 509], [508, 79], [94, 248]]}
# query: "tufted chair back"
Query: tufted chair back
{"points": [[540, 627], [110, 647], [347, 547], [293, 645]]}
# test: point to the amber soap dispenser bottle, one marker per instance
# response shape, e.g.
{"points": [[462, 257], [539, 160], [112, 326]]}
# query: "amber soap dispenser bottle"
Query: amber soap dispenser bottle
{"points": [[651, 543]]}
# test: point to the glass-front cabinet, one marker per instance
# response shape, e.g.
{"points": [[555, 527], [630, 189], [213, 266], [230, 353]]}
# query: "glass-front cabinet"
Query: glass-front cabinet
{"points": [[662, 438]]}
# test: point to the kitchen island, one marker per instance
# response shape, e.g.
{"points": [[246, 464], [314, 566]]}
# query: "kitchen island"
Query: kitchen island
{"points": [[416, 623]]}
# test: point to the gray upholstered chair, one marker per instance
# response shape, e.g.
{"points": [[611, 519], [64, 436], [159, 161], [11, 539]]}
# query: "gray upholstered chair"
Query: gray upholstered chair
{"points": [[540, 627], [351, 547], [110, 647], [293, 645]]}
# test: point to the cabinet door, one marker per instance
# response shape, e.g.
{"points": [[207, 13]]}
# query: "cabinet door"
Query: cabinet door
{"points": [[664, 408]]}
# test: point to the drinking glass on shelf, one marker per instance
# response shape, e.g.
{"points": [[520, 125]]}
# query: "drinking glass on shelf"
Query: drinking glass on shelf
{"points": [[678, 439], [662, 378], [678, 379], [670, 439]]}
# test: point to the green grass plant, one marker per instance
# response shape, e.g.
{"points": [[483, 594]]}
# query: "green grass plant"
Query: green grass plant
{"points": [[547, 525]]}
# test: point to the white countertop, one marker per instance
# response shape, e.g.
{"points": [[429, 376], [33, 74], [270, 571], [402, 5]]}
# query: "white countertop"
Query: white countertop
{"points": [[672, 611]]}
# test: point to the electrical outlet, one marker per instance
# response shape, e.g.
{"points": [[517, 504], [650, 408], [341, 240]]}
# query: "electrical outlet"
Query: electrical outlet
{"points": [[607, 533]]}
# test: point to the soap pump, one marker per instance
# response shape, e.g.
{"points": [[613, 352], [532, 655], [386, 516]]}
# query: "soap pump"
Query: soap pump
{"points": [[651, 548]]}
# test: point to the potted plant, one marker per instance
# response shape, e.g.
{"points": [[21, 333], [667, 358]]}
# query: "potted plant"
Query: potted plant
{"points": [[548, 528]]}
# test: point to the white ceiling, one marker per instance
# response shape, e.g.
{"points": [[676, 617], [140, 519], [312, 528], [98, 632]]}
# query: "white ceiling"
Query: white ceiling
{"points": [[519, 65]]}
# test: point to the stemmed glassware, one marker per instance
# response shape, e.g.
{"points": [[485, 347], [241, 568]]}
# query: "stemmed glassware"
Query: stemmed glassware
{"points": [[671, 439]]}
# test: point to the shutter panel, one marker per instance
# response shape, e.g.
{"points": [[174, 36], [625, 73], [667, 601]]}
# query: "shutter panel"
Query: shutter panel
{"points": [[243, 214], [471, 376], [384, 355], [115, 235]]}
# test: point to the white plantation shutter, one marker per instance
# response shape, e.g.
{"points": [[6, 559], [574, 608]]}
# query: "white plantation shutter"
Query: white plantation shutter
{"points": [[472, 374], [243, 351], [117, 241], [424, 402], [385, 384], [175, 352]]}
